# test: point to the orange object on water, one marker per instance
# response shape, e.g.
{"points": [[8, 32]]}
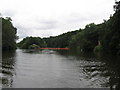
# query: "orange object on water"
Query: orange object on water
{"points": [[55, 48]]}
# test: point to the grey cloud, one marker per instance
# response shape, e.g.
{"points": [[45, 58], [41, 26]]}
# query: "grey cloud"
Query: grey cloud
{"points": [[46, 24], [45, 27], [48, 21], [41, 31], [41, 25], [22, 33], [76, 18], [8, 13]]}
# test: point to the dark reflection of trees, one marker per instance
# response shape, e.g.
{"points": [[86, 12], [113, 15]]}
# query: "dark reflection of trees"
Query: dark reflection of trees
{"points": [[112, 64], [8, 63], [108, 68], [32, 51], [82, 55], [63, 52]]}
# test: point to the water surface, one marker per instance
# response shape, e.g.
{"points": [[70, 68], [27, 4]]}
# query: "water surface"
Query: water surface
{"points": [[51, 69]]}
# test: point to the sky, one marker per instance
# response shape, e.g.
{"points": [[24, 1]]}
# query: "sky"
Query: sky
{"points": [[44, 18]]}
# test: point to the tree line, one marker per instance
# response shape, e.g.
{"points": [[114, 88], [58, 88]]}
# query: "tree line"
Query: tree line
{"points": [[94, 37], [31, 43], [100, 37]]}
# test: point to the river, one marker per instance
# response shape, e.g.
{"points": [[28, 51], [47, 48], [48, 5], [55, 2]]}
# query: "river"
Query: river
{"points": [[51, 69]]}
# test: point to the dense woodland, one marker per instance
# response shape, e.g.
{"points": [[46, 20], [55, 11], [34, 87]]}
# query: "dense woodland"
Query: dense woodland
{"points": [[60, 41], [94, 37], [100, 37], [29, 42], [8, 35], [97, 38]]}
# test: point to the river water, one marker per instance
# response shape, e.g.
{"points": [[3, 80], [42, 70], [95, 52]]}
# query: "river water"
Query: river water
{"points": [[51, 69]]}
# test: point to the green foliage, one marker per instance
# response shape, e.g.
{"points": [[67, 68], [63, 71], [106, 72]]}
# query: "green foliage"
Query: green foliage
{"points": [[28, 42], [98, 48], [85, 40], [34, 46], [60, 41], [101, 37], [117, 6], [111, 36], [108, 33], [8, 35]]}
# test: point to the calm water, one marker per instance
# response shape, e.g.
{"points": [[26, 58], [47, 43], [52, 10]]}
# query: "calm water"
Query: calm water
{"points": [[50, 69]]}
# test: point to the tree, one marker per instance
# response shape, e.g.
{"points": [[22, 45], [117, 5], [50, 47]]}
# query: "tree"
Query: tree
{"points": [[8, 35], [29, 42], [117, 6]]}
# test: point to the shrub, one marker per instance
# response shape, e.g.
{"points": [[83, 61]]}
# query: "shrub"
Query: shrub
{"points": [[98, 48]]}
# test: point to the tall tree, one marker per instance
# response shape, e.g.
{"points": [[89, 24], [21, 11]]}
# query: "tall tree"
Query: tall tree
{"points": [[8, 34]]}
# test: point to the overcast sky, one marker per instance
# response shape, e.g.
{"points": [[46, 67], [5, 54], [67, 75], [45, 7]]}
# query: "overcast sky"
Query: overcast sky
{"points": [[45, 18]]}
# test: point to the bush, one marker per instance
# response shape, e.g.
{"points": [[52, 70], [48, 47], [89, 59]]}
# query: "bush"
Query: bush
{"points": [[98, 48], [33, 46]]}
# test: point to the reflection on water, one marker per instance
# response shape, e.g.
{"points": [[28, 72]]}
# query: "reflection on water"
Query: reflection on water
{"points": [[112, 64], [51, 69], [8, 65]]}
